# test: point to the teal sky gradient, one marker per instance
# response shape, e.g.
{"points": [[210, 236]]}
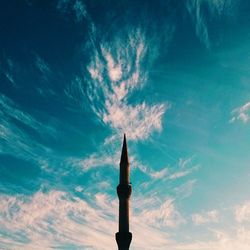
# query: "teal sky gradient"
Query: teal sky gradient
{"points": [[173, 75]]}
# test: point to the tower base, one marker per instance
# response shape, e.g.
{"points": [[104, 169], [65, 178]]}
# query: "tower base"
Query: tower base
{"points": [[123, 240]]}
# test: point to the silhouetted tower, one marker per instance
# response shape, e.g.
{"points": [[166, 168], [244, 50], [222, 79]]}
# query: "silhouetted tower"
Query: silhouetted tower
{"points": [[124, 189]]}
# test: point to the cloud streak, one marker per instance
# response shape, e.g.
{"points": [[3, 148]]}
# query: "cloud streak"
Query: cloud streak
{"points": [[56, 219], [115, 73], [242, 212], [76, 7], [241, 113], [14, 138], [203, 11], [204, 218]]}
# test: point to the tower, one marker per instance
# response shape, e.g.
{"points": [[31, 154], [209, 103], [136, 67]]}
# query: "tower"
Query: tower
{"points": [[124, 189]]}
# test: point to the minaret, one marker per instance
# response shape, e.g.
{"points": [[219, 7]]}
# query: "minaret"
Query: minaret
{"points": [[124, 189]]}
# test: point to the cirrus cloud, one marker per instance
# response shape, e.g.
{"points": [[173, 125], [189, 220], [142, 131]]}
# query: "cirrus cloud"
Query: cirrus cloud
{"points": [[241, 113], [115, 73]]}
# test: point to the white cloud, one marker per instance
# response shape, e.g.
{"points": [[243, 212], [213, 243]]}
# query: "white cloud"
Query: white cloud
{"points": [[242, 212], [184, 162], [137, 121], [115, 73], [241, 113], [185, 190], [238, 239], [165, 215], [180, 174], [159, 174], [56, 219], [96, 160], [114, 70], [207, 217], [185, 167], [79, 189]]}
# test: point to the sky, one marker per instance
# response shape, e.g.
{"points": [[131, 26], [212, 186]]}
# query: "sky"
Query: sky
{"points": [[75, 75]]}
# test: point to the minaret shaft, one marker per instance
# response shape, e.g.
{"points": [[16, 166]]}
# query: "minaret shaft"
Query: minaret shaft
{"points": [[123, 215], [124, 189], [124, 173]]}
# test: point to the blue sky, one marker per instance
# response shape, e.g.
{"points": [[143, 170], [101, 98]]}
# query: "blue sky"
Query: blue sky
{"points": [[173, 75]]}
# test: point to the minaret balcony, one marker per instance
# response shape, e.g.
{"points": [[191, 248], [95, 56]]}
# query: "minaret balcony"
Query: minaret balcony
{"points": [[124, 191]]}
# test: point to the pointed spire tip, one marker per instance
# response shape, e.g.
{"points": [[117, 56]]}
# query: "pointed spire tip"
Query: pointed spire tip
{"points": [[124, 156]]}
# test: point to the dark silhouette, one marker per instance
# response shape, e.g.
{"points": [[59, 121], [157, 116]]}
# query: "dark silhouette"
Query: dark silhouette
{"points": [[124, 190]]}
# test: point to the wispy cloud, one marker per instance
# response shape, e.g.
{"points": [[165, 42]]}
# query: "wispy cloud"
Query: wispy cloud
{"points": [[115, 73], [57, 220], [76, 7], [43, 67], [15, 139], [80, 10], [242, 212], [238, 239], [165, 215], [185, 190], [184, 167], [23, 140], [207, 217], [241, 113], [159, 174], [96, 160], [7, 69], [203, 11], [46, 76]]}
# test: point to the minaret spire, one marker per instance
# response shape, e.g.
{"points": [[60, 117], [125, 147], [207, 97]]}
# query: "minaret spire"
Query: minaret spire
{"points": [[124, 189], [124, 156]]}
